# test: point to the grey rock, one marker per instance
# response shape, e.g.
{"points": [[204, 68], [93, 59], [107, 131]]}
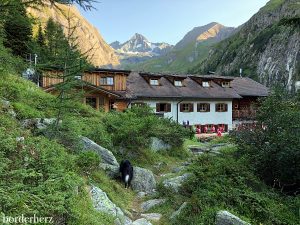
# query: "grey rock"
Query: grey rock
{"points": [[141, 221], [145, 206], [123, 221], [152, 216], [111, 170], [102, 203], [5, 104], [226, 218], [158, 145], [175, 183], [38, 123], [178, 169], [141, 194], [178, 211], [7, 107], [143, 180], [107, 156]]}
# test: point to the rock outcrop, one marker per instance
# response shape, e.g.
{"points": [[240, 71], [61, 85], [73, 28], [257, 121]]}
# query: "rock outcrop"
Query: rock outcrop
{"points": [[38, 123], [141, 221], [158, 145], [178, 211], [102, 203], [88, 37], [145, 206], [143, 180], [175, 183], [106, 156], [226, 218], [266, 47]]}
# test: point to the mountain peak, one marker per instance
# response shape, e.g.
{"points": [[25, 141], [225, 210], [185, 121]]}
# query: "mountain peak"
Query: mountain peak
{"points": [[201, 33]]}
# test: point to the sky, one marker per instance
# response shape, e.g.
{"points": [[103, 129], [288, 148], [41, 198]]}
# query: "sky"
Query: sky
{"points": [[165, 20]]}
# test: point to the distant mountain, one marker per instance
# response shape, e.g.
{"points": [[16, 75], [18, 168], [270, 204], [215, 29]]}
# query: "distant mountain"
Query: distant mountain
{"points": [[139, 49], [88, 37], [189, 51], [202, 33], [267, 47]]}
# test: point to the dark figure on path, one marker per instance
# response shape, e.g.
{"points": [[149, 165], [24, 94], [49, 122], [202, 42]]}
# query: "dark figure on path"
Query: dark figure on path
{"points": [[126, 171]]}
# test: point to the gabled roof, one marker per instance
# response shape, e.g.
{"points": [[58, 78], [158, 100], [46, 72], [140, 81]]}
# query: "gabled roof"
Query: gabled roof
{"points": [[245, 86], [138, 87]]}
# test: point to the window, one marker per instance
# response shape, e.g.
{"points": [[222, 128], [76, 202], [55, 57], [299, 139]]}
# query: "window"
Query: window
{"points": [[138, 104], [221, 107], [91, 101], [205, 84], [106, 81], [78, 77], [225, 84], [186, 107], [178, 83], [163, 107], [101, 102], [154, 82], [203, 107]]}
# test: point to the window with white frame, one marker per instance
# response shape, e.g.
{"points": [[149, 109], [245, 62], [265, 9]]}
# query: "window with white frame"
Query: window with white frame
{"points": [[178, 83], [205, 84], [221, 107], [106, 81], [225, 84], [154, 82], [203, 107]]}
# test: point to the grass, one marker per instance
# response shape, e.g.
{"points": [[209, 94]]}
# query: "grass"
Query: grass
{"points": [[114, 189], [272, 5]]}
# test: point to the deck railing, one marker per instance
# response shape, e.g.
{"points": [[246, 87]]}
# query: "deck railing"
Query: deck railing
{"points": [[244, 114]]}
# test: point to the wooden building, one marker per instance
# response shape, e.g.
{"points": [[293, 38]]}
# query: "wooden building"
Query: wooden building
{"points": [[205, 101]]}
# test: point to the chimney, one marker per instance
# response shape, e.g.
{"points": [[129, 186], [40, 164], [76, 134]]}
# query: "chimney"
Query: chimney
{"points": [[241, 72]]}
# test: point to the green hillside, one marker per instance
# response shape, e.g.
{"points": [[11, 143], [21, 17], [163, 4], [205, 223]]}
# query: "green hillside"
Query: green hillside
{"points": [[178, 61], [266, 47]]}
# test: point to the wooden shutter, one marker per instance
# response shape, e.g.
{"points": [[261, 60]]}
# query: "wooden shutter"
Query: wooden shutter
{"points": [[191, 107], [181, 107], [168, 107], [207, 107], [157, 107], [198, 107], [216, 108], [226, 107]]}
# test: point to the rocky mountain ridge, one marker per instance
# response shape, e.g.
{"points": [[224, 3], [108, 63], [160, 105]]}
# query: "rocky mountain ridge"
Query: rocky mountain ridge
{"points": [[191, 49], [266, 47], [138, 48], [89, 39]]}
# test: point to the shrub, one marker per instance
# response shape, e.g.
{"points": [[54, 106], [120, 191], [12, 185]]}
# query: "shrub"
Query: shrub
{"points": [[227, 183], [133, 129], [273, 147], [88, 161]]}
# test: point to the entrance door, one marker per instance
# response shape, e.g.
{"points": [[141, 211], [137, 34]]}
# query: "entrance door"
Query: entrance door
{"points": [[92, 101]]}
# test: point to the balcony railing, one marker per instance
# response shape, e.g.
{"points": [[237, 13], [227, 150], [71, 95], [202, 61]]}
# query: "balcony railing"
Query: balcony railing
{"points": [[244, 114]]}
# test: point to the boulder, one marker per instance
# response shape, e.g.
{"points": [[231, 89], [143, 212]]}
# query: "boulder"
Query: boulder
{"points": [[141, 221], [7, 107], [226, 218], [158, 145], [145, 206], [111, 170], [38, 123], [143, 180], [102, 203], [152, 216], [106, 156], [178, 211], [175, 183], [141, 194]]}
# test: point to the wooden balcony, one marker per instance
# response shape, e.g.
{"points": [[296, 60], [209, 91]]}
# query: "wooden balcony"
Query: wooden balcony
{"points": [[244, 114]]}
